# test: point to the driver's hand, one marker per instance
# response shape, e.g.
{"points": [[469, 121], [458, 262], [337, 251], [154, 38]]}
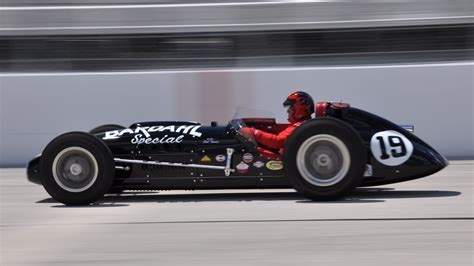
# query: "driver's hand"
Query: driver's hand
{"points": [[248, 132]]}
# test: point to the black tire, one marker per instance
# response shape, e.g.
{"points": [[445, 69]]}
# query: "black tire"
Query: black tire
{"points": [[77, 168], [105, 128], [324, 146]]}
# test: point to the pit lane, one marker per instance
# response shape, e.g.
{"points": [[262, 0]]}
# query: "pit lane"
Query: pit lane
{"points": [[422, 222]]}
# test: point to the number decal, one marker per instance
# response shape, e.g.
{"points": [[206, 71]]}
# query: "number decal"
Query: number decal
{"points": [[398, 143], [383, 150], [391, 147]]}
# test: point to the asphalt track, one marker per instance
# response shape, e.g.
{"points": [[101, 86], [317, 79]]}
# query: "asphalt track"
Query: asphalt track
{"points": [[428, 221]]}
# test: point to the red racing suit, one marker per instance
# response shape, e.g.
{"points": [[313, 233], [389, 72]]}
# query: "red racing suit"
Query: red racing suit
{"points": [[269, 140]]}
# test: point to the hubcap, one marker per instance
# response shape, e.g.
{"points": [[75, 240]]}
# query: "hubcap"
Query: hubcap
{"points": [[75, 169], [323, 160]]}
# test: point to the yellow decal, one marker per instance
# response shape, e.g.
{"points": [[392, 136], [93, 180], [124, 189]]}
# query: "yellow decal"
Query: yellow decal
{"points": [[205, 159], [275, 165]]}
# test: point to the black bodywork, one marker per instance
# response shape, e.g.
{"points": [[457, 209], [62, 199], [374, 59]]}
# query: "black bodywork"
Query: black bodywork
{"points": [[207, 145]]}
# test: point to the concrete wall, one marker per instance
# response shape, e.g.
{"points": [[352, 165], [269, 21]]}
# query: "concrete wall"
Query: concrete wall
{"points": [[437, 99]]}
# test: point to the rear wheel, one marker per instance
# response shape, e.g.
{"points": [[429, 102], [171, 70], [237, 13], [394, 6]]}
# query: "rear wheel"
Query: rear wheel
{"points": [[77, 168], [324, 159]]}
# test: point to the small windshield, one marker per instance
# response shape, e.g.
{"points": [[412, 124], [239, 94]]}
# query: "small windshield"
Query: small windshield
{"points": [[242, 113]]}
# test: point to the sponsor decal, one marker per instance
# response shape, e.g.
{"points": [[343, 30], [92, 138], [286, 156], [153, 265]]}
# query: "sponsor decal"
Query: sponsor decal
{"points": [[210, 141], [242, 167], [139, 139], [142, 135], [274, 165], [390, 147], [205, 158], [220, 158], [258, 164], [247, 158], [185, 130]]}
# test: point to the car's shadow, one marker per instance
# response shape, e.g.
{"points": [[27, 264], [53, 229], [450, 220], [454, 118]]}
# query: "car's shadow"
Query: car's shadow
{"points": [[360, 195], [390, 193]]}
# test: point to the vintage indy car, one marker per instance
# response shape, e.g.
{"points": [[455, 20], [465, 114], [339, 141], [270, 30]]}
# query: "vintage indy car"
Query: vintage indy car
{"points": [[325, 158]]}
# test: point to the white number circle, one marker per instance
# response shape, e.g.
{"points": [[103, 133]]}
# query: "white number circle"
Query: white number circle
{"points": [[391, 147]]}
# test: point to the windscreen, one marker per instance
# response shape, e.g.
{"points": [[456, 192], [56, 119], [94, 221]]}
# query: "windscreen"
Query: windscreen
{"points": [[242, 113]]}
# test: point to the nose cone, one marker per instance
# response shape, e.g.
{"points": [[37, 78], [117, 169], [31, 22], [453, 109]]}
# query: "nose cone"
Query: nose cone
{"points": [[427, 160], [438, 160], [32, 170]]}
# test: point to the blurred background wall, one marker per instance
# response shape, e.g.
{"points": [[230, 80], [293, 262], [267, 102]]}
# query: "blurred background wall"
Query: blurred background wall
{"points": [[73, 65]]}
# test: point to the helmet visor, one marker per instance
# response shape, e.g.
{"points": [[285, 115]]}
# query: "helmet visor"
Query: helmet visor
{"points": [[289, 102]]}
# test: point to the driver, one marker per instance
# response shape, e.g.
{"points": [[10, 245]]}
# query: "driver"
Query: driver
{"points": [[299, 106]]}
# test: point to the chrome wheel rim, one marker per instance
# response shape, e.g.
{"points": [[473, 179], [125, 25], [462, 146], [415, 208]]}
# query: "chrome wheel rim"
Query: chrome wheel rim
{"points": [[323, 160], [75, 169]]}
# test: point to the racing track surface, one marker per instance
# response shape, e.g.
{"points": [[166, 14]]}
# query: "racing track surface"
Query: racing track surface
{"points": [[423, 222]]}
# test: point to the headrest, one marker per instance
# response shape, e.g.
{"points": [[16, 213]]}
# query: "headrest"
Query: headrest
{"points": [[322, 107]]}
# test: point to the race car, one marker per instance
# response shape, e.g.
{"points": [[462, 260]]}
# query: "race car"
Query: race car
{"points": [[325, 158]]}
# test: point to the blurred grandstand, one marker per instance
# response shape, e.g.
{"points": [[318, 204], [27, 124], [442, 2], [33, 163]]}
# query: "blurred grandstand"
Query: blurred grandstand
{"points": [[92, 35]]}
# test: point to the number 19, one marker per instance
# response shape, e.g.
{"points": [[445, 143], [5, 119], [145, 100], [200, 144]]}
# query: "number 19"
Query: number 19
{"points": [[395, 144]]}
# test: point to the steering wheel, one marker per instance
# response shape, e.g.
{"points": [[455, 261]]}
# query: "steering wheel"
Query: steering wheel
{"points": [[236, 125]]}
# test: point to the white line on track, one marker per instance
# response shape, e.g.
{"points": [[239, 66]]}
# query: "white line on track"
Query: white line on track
{"points": [[235, 70], [75, 7]]}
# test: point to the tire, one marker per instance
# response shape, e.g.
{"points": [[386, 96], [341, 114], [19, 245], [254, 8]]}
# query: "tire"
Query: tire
{"points": [[105, 128], [77, 168], [324, 159]]}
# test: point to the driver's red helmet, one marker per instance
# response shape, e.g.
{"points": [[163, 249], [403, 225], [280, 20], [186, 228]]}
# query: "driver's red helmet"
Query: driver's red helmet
{"points": [[300, 105]]}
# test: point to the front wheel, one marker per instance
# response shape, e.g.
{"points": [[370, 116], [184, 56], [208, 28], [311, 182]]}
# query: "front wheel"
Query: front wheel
{"points": [[325, 159], [77, 168]]}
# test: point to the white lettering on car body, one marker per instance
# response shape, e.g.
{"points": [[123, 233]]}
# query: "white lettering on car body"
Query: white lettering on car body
{"points": [[139, 139], [185, 129], [194, 132], [111, 134], [142, 130], [127, 130], [145, 132]]}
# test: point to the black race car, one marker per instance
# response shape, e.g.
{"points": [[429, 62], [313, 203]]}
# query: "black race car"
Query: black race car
{"points": [[324, 159]]}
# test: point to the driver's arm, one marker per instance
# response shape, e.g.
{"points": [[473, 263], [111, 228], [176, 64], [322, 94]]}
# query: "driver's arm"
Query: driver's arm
{"points": [[273, 141]]}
